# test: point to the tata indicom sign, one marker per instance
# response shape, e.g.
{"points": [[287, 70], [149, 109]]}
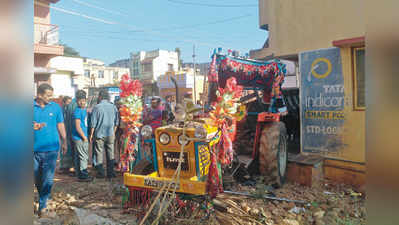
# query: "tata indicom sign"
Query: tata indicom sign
{"points": [[322, 101]]}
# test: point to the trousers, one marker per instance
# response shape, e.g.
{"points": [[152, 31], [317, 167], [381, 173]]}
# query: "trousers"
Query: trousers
{"points": [[44, 164]]}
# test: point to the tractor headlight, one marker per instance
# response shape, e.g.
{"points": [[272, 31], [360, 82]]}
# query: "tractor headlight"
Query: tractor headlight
{"points": [[200, 132], [146, 131], [182, 139], [164, 138]]}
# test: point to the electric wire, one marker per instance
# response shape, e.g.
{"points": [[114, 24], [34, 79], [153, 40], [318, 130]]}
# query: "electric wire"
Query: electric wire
{"points": [[99, 8], [212, 5]]}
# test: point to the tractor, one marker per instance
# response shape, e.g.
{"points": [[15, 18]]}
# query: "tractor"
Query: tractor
{"points": [[265, 106], [178, 155]]}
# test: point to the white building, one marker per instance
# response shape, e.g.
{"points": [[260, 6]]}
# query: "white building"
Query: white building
{"points": [[70, 74], [64, 79], [148, 66], [185, 83], [97, 74]]}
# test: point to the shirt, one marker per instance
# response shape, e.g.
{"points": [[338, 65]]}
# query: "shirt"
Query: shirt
{"points": [[80, 114], [47, 138], [68, 117], [103, 119], [154, 118]]}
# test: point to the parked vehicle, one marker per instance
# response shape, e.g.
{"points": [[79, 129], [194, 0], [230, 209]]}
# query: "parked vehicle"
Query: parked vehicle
{"points": [[270, 144]]}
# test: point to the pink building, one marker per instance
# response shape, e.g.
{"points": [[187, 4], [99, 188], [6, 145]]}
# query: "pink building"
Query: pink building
{"points": [[46, 39]]}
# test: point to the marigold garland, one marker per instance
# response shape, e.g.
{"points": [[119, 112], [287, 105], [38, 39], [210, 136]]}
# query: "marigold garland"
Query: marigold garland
{"points": [[227, 107], [130, 113]]}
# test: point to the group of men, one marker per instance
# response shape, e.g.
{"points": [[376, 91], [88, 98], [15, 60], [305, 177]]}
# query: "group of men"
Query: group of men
{"points": [[71, 125], [73, 128]]}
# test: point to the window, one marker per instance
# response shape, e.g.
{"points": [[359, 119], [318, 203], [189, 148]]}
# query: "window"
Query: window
{"points": [[359, 78], [147, 67], [87, 73], [101, 74], [115, 76], [170, 67]]}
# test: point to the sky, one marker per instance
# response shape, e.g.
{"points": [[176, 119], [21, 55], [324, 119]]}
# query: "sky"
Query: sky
{"points": [[110, 29]]}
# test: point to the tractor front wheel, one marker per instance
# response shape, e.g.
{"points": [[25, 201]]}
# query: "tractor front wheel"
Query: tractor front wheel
{"points": [[273, 153]]}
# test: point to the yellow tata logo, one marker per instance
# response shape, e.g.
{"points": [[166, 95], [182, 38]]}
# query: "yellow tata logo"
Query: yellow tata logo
{"points": [[316, 64]]}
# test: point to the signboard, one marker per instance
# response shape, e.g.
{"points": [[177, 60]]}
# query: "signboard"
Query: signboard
{"points": [[171, 160], [322, 101]]}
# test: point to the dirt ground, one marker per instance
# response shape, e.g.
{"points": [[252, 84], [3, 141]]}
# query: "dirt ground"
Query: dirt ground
{"points": [[82, 203]]}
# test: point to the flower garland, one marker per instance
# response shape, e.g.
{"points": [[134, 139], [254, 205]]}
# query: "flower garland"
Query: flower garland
{"points": [[130, 114], [226, 108]]}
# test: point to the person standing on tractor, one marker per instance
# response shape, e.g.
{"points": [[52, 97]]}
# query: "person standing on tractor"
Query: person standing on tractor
{"points": [[153, 116]]}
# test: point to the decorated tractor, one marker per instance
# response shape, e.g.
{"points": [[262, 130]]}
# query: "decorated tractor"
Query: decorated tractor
{"points": [[265, 107], [185, 160]]}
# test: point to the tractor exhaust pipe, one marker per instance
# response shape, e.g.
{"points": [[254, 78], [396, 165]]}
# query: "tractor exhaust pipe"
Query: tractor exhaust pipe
{"points": [[177, 90]]}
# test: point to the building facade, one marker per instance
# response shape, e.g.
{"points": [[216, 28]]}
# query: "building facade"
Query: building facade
{"points": [[148, 66], [97, 74], [46, 42], [67, 78], [326, 39], [185, 83], [202, 67], [124, 63]]}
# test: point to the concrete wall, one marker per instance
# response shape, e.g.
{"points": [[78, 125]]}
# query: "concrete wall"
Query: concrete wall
{"points": [[62, 84], [41, 13], [185, 82], [62, 80], [355, 123], [302, 25], [108, 73], [160, 62], [73, 64]]}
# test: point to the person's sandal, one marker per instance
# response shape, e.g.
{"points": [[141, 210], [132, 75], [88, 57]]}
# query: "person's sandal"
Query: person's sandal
{"points": [[44, 213]]}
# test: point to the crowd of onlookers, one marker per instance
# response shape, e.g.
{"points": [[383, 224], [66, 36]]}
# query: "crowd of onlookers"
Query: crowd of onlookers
{"points": [[79, 130]]}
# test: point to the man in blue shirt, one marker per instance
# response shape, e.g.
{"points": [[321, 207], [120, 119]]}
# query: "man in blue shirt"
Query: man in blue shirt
{"points": [[67, 160], [103, 123], [48, 125], [80, 136]]}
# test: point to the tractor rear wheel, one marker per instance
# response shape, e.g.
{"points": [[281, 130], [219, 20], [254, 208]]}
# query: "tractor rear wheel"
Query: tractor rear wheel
{"points": [[273, 153]]}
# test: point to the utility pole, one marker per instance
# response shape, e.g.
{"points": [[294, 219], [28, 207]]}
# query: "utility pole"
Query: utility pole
{"points": [[195, 91]]}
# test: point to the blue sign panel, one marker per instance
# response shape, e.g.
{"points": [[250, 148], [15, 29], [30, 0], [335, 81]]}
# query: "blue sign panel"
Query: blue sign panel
{"points": [[322, 101], [114, 90]]}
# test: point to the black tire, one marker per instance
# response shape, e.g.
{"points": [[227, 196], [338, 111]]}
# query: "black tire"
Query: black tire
{"points": [[273, 153]]}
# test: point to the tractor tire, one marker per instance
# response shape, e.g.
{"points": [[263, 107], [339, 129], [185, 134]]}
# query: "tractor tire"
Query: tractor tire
{"points": [[273, 153]]}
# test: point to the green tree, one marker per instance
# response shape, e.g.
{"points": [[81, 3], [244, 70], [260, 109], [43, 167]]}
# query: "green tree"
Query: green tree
{"points": [[69, 51]]}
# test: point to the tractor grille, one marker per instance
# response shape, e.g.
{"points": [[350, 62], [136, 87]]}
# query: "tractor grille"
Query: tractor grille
{"points": [[171, 160]]}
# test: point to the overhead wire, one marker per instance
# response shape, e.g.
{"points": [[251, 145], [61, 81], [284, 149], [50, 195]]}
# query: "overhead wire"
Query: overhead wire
{"points": [[211, 5], [76, 13], [186, 26], [99, 8], [124, 25], [130, 29]]}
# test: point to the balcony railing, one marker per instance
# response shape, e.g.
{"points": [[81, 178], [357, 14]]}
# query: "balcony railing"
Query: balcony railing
{"points": [[47, 34]]}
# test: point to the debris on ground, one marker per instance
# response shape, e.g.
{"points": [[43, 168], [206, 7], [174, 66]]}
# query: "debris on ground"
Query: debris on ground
{"points": [[76, 203]]}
